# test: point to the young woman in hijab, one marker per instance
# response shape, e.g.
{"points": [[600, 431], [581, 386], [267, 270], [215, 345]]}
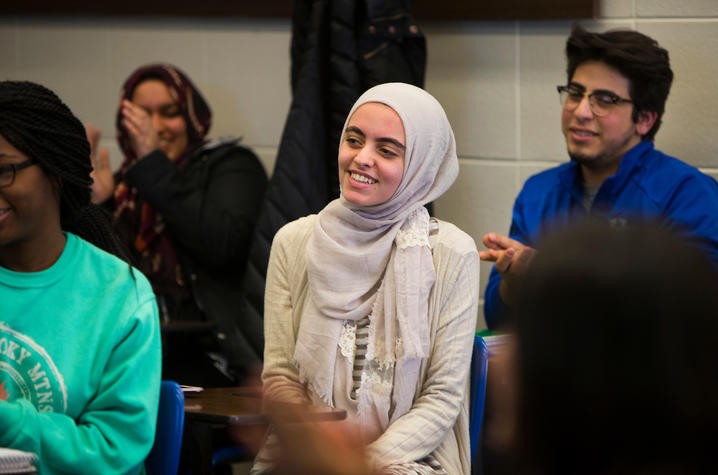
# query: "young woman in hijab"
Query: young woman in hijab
{"points": [[79, 333], [186, 208], [371, 305]]}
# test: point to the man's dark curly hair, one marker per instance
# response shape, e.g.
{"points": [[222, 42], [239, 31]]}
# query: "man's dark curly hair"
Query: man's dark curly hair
{"points": [[636, 56]]}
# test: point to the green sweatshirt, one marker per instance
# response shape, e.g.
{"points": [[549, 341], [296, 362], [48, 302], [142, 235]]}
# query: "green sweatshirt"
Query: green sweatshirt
{"points": [[79, 363]]}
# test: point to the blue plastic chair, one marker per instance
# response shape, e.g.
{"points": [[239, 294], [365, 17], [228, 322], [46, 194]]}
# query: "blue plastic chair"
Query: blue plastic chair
{"points": [[477, 388], [165, 454], [229, 454]]}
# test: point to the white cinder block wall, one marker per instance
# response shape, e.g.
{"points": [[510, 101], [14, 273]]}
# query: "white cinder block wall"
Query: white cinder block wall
{"points": [[241, 67], [496, 80]]}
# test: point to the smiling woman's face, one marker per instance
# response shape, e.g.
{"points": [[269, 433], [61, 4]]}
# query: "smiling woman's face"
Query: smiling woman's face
{"points": [[154, 97], [30, 206], [371, 155]]}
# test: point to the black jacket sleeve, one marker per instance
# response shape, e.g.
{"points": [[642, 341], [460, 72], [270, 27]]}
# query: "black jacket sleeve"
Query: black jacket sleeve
{"points": [[209, 207]]}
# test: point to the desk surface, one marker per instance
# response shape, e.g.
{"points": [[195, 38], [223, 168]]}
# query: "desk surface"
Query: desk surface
{"points": [[241, 406]]}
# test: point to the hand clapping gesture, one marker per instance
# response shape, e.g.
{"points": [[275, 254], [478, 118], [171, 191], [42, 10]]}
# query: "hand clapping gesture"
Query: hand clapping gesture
{"points": [[103, 182], [511, 259], [140, 128]]}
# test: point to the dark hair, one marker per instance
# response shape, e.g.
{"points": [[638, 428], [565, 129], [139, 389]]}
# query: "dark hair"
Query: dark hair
{"points": [[36, 122], [618, 369], [636, 56]]}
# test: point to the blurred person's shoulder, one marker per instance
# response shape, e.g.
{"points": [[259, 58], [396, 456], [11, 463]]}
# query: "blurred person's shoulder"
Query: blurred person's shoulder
{"points": [[228, 147]]}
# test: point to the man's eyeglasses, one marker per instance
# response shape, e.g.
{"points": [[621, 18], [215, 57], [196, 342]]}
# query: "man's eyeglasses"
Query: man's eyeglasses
{"points": [[601, 102], [8, 172]]}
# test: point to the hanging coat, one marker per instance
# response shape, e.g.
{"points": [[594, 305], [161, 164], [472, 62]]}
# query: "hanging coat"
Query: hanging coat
{"points": [[340, 48]]}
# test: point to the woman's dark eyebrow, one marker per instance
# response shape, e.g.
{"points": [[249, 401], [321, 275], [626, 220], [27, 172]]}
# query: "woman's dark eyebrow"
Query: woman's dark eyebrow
{"points": [[357, 130], [391, 141]]}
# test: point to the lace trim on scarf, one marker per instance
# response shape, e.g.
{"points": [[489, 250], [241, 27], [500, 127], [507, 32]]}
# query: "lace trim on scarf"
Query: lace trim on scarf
{"points": [[347, 340], [377, 378], [375, 386], [414, 232], [382, 364]]}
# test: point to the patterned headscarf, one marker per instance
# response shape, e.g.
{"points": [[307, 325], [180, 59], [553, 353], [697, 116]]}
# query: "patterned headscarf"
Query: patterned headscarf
{"points": [[194, 108], [142, 224]]}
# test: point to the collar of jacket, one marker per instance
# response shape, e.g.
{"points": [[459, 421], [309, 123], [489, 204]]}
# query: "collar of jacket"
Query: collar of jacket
{"points": [[570, 177]]}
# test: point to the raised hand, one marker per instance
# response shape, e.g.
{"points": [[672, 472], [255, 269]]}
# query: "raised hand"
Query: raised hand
{"points": [[103, 182], [140, 128], [511, 259]]}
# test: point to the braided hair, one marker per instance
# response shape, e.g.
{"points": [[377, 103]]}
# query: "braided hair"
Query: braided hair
{"points": [[36, 122]]}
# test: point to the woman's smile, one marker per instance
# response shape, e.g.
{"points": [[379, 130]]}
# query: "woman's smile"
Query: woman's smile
{"points": [[154, 97], [362, 178]]}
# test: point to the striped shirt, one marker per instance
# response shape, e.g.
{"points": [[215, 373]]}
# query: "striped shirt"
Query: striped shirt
{"points": [[361, 343]]}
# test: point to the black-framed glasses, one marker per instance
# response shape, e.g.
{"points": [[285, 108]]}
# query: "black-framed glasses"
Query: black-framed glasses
{"points": [[601, 102], [8, 172]]}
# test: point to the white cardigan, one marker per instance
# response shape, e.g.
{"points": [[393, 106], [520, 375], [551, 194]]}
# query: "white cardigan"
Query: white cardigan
{"points": [[438, 420]]}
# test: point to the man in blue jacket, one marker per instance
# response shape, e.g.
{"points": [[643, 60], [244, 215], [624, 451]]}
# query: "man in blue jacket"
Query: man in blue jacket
{"points": [[618, 83]]}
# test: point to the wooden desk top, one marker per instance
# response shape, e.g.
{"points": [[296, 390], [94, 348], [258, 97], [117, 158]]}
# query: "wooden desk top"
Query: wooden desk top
{"points": [[241, 406]]}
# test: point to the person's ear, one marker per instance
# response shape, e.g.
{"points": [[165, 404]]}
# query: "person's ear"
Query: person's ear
{"points": [[645, 121]]}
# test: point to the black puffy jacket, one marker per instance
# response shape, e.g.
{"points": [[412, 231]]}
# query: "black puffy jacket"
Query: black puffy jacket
{"points": [[210, 210]]}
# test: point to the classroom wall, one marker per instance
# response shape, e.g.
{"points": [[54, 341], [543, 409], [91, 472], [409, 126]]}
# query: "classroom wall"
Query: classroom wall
{"points": [[496, 80]]}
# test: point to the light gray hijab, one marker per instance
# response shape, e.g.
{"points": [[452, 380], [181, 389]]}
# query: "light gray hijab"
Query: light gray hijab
{"points": [[376, 261]]}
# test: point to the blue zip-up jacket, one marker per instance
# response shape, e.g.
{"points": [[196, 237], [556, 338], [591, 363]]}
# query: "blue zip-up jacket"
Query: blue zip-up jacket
{"points": [[649, 185]]}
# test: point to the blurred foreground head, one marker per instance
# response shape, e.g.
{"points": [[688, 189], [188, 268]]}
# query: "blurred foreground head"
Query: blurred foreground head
{"points": [[617, 355]]}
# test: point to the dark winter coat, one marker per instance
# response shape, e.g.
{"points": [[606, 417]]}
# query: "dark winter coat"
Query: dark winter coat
{"points": [[210, 208]]}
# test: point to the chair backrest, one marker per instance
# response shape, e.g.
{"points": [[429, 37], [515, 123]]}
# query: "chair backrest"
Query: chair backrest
{"points": [[477, 391], [164, 456]]}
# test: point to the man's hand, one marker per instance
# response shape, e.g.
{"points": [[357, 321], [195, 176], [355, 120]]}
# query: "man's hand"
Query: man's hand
{"points": [[511, 259], [103, 183]]}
